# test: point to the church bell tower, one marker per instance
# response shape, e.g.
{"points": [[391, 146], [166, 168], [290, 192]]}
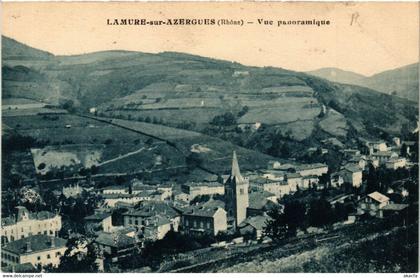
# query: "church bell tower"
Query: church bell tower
{"points": [[236, 193]]}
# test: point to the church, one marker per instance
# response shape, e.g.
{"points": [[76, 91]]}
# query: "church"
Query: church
{"points": [[236, 194]]}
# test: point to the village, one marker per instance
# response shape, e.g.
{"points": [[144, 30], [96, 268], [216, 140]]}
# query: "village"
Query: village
{"points": [[152, 227]]}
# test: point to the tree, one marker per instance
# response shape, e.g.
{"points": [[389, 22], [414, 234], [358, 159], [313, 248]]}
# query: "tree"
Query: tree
{"points": [[225, 119], [294, 216], [193, 160], [276, 228], [75, 261], [372, 184], [404, 150], [320, 213]]}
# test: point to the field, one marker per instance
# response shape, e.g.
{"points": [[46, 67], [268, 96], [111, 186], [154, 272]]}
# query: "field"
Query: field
{"points": [[334, 123], [219, 156], [66, 156], [122, 146]]}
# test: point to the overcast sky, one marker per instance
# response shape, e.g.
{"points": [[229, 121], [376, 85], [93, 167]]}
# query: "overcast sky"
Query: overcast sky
{"points": [[363, 37]]}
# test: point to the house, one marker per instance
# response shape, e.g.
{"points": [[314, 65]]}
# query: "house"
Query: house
{"points": [[395, 163], [36, 250], [100, 221], [156, 228], [147, 214], [351, 152], [111, 199], [373, 161], [72, 190], [253, 227], [377, 146], [208, 218], [24, 224], [19, 268], [160, 195], [114, 189], [272, 164], [259, 203], [359, 160], [316, 169], [336, 179], [396, 141], [115, 246], [180, 196], [352, 174], [373, 203], [294, 180], [384, 156], [393, 209], [277, 188], [194, 189], [274, 175], [308, 181]]}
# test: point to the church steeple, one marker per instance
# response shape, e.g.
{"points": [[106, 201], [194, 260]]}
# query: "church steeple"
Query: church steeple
{"points": [[236, 173], [236, 192]]}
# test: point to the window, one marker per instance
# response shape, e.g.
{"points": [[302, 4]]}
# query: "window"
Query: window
{"points": [[201, 224], [45, 232], [194, 224], [186, 222], [208, 225], [57, 254], [22, 230], [136, 222], [38, 258], [22, 236], [48, 256], [130, 222], [51, 232], [241, 191]]}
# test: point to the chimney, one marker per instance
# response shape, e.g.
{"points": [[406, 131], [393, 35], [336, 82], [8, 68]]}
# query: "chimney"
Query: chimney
{"points": [[28, 247], [52, 241]]}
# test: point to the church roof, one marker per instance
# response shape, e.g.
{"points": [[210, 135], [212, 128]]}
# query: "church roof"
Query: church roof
{"points": [[235, 175]]}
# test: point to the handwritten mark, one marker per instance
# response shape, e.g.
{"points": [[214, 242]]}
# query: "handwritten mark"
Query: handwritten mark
{"points": [[354, 18]]}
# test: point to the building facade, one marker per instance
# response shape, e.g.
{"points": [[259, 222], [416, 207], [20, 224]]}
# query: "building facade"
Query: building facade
{"points": [[25, 224], [36, 250]]}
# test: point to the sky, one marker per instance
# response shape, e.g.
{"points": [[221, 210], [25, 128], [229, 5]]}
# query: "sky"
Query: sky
{"points": [[366, 38]]}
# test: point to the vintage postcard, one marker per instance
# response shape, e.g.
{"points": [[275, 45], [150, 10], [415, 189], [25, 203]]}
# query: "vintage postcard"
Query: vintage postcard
{"points": [[186, 137]]}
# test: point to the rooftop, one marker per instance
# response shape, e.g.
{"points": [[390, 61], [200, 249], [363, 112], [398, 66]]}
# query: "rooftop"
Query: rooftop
{"points": [[258, 222], [378, 197], [311, 166], [98, 216], [207, 209], [395, 207], [37, 243], [352, 168], [117, 240], [42, 215]]}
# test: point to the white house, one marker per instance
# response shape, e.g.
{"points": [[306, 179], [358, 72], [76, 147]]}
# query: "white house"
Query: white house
{"points": [[25, 224], [203, 219], [373, 203], [36, 250], [395, 163], [316, 169], [352, 174], [194, 189], [100, 221]]}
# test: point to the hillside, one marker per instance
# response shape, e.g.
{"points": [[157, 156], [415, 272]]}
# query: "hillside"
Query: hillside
{"points": [[219, 98], [337, 75], [402, 82]]}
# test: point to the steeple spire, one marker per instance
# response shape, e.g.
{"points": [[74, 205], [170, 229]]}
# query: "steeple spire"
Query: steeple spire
{"points": [[236, 173]]}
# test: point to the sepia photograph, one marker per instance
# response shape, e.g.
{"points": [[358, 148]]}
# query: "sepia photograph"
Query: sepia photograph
{"points": [[209, 137]]}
